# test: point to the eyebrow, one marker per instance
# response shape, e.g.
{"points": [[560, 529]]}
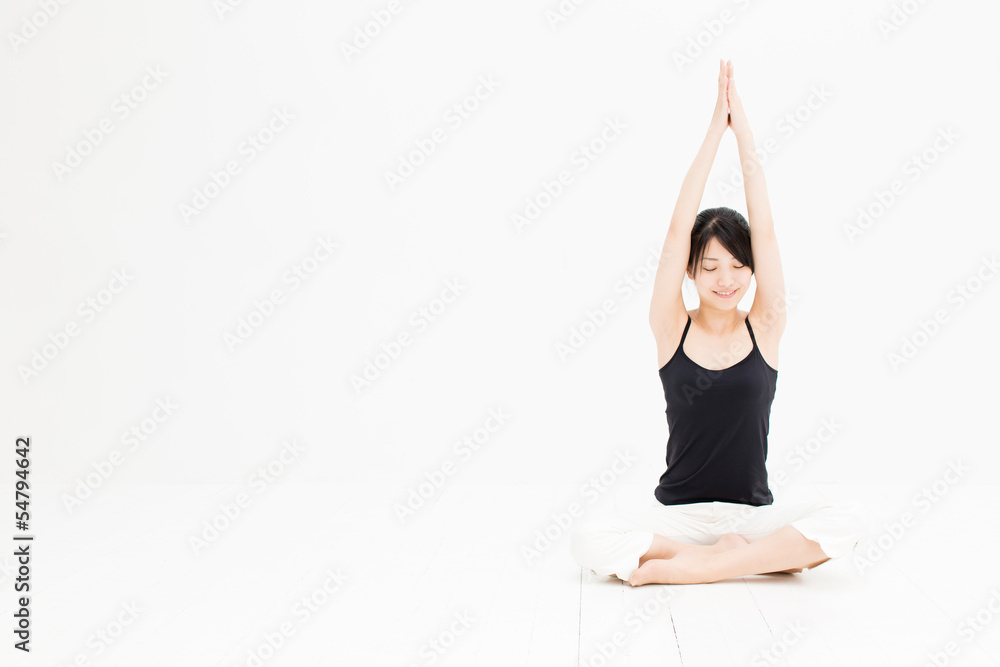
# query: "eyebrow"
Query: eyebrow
{"points": [[716, 260]]}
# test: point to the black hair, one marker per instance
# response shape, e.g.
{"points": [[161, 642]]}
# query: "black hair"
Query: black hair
{"points": [[725, 224]]}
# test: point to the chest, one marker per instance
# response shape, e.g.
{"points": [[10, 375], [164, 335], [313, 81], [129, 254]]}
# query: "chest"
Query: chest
{"points": [[720, 397], [715, 354]]}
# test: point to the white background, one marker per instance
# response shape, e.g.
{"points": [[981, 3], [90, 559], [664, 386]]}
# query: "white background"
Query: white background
{"points": [[888, 96]]}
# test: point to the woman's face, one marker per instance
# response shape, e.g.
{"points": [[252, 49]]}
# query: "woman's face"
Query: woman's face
{"points": [[722, 280]]}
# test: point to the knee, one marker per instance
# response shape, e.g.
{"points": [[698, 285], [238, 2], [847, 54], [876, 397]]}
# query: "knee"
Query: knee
{"points": [[838, 527]]}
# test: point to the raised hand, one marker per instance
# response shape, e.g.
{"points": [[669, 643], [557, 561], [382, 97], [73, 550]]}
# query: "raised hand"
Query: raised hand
{"points": [[720, 117], [737, 116]]}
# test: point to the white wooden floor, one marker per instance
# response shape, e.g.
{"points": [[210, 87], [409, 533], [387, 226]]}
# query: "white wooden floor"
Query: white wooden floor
{"points": [[452, 587]]}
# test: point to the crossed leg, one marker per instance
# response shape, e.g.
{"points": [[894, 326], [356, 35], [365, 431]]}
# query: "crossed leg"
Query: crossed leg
{"points": [[671, 562], [664, 547]]}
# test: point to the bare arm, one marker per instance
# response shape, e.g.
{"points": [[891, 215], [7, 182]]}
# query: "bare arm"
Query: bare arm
{"points": [[768, 308], [667, 302]]}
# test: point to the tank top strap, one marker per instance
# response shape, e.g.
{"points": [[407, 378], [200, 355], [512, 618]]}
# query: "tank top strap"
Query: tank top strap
{"points": [[686, 327], [753, 338]]}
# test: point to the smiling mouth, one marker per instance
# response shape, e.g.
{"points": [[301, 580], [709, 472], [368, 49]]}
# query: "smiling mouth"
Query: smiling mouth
{"points": [[729, 293]]}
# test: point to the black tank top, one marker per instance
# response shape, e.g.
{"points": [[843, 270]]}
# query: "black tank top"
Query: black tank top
{"points": [[718, 421]]}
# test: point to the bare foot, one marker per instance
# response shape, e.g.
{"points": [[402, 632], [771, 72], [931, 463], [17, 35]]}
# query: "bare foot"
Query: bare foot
{"points": [[684, 568], [725, 543]]}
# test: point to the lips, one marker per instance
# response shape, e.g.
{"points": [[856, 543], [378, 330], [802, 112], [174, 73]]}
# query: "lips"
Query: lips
{"points": [[726, 295]]}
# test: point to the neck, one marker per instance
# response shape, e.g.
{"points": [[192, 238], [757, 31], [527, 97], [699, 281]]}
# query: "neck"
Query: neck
{"points": [[716, 321]]}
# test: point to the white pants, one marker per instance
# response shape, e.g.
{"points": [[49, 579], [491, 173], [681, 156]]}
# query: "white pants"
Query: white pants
{"points": [[612, 544]]}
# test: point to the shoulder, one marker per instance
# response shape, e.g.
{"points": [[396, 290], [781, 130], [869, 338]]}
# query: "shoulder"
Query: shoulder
{"points": [[768, 337], [668, 337], [766, 327]]}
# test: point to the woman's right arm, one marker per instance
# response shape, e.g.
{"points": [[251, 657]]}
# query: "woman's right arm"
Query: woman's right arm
{"points": [[667, 306]]}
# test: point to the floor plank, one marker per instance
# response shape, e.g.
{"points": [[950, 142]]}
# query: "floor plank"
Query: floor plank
{"points": [[602, 608], [464, 553]]}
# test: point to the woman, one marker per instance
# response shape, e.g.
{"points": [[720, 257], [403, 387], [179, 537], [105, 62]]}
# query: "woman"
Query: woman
{"points": [[714, 517]]}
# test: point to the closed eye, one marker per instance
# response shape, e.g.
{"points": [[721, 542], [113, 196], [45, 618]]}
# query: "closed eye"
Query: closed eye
{"points": [[735, 267]]}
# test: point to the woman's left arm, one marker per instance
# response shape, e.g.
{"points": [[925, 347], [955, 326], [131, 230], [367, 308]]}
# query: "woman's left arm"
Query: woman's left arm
{"points": [[768, 308]]}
